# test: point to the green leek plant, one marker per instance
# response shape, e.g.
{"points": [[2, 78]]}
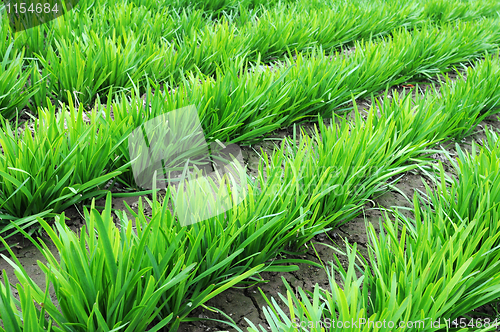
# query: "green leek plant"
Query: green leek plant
{"points": [[247, 101], [295, 27], [452, 111], [218, 7], [8, 40], [427, 270], [14, 96], [61, 161], [441, 11], [334, 309], [231, 245], [402, 130], [203, 44], [274, 34], [105, 55], [301, 26], [295, 196], [350, 306], [356, 159], [21, 315], [361, 157], [35, 40], [86, 67], [153, 271], [474, 96], [105, 278], [442, 271], [464, 208]]}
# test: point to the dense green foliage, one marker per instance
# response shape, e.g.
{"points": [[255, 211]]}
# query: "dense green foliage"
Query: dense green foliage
{"points": [[89, 78]]}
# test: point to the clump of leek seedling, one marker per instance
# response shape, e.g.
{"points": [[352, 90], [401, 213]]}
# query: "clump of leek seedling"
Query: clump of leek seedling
{"points": [[18, 315], [106, 278]]}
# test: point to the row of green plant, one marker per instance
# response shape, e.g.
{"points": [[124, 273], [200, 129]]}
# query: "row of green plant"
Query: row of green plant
{"points": [[258, 102], [225, 247], [464, 8], [98, 62], [54, 163], [247, 102], [164, 22], [87, 55], [116, 52], [425, 273], [305, 187]]}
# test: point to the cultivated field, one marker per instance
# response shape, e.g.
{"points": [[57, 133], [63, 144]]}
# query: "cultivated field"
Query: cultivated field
{"points": [[296, 165]]}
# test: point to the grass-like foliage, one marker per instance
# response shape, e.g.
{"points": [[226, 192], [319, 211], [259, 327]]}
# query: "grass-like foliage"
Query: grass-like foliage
{"points": [[247, 101], [473, 97], [55, 162], [349, 306], [440, 10], [352, 160], [249, 67], [453, 238], [99, 45], [106, 278], [429, 269], [95, 64], [337, 308], [432, 268], [232, 245], [22, 315], [443, 263], [14, 95], [451, 110]]}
